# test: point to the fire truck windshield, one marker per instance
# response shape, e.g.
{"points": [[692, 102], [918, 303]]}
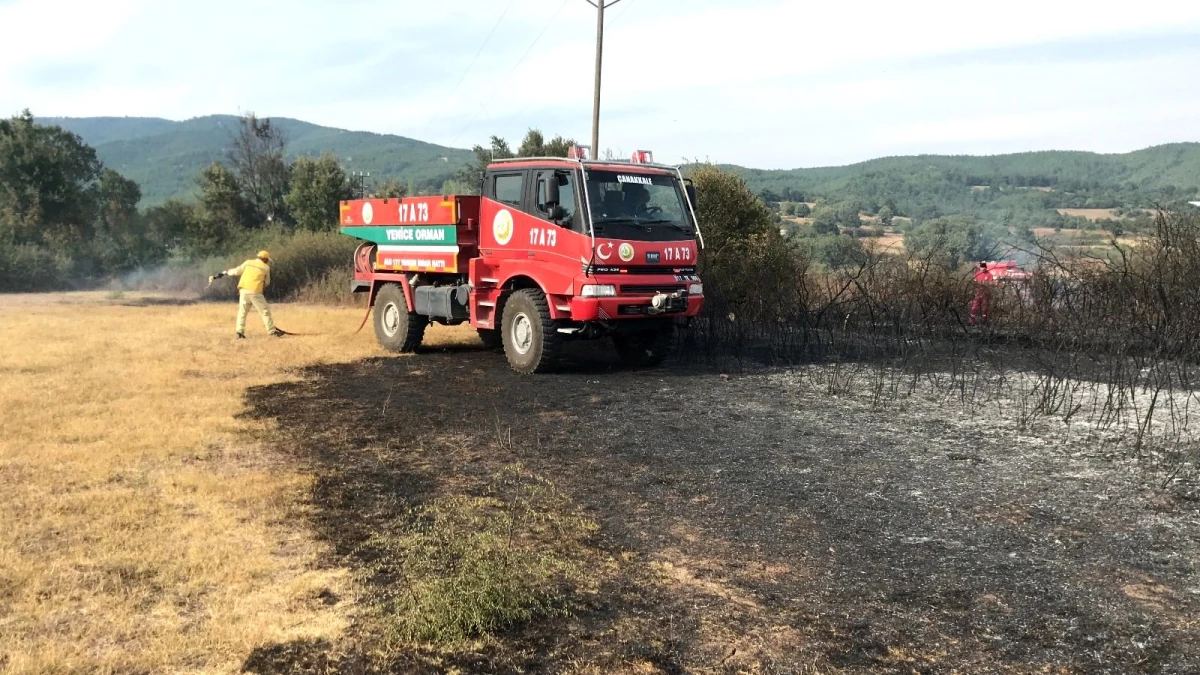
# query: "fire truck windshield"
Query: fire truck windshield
{"points": [[642, 207]]}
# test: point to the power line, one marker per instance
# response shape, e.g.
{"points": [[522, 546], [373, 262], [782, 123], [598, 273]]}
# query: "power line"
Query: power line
{"points": [[504, 81], [608, 24], [621, 13], [472, 63]]}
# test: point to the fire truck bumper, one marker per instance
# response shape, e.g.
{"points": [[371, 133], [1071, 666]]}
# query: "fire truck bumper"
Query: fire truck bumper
{"points": [[607, 309]]}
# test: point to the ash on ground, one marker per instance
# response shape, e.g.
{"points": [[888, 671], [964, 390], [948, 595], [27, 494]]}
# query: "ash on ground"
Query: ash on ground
{"points": [[771, 522]]}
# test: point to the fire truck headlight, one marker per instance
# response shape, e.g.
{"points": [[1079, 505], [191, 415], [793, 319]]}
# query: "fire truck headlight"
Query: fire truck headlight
{"points": [[598, 291], [696, 289]]}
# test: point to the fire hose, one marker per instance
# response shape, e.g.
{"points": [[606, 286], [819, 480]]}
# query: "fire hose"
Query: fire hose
{"points": [[365, 317], [364, 261]]}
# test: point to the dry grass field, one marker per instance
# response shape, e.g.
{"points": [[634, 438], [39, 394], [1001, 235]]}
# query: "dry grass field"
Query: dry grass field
{"points": [[144, 526]]}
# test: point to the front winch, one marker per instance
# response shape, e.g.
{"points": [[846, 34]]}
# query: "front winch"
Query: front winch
{"points": [[667, 302]]}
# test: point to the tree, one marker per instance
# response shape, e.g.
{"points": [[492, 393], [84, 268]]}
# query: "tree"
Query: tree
{"points": [[172, 224], [801, 210], [751, 271], [472, 174], [729, 212], [122, 242], [317, 188], [836, 251], [885, 215], [117, 200], [769, 197], [558, 147], [847, 215], [391, 189], [262, 173], [824, 220], [952, 241], [47, 184], [532, 145], [535, 145], [223, 209]]}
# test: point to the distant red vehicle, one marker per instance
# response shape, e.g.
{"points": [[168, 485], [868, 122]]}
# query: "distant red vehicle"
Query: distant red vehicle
{"points": [[553, 249], [988, 274], [1005, 270]]}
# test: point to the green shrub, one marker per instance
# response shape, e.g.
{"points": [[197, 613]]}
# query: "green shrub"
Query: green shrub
{"points": [[331, 289], [306, 258], [28, 267], [467, 567], [305, 266]]}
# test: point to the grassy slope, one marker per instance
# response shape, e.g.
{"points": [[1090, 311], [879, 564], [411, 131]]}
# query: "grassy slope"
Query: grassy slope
{"points": [[164, 157]]}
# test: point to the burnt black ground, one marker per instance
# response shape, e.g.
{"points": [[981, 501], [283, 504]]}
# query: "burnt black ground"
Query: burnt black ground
{"points": [[757, 525]]}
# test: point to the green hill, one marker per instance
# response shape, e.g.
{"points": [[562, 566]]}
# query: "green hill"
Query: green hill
{"points": [[1023, 187], [164, 157]]}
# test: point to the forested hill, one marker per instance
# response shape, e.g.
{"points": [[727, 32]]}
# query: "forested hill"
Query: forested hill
{"points": [[1000, 187], [164, 157]]}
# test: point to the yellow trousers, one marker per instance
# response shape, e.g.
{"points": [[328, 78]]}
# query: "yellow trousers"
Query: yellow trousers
{"points": [[259, 302]]}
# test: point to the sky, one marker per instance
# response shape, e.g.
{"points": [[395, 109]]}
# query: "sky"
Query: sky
{"points": [[763, 83]]}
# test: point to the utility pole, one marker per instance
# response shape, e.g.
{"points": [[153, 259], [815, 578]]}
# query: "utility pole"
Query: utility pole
{"points": [[600, 6]]}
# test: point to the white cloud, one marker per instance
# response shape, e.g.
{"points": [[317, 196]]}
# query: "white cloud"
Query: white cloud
{"points": [[760, 82]]}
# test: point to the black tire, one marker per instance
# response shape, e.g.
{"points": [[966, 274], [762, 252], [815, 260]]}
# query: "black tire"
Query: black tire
{"points": [[397, 329], [646, 348], [531, 339], [491, 339]]}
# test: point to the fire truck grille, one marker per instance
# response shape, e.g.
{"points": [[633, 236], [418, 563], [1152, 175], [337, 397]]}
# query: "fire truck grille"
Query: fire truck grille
{"points": [[648, 289]]}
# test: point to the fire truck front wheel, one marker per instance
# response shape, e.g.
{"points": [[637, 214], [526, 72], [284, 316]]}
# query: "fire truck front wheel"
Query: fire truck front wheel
{"points": [[397, 329], [530, 336]]}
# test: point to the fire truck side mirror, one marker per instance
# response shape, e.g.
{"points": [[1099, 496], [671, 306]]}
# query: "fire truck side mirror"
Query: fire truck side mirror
{"points": [[691, 193], [552, 195]]}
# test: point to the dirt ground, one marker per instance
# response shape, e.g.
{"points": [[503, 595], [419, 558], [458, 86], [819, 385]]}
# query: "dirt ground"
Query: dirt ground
{"points": [[752, 523]]}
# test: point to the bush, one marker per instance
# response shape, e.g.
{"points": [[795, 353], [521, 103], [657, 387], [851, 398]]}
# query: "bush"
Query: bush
{"points": [[27, 267], [331, 289], [307, 258], [472, 566], [747, 262], [834, 251], [305, 266], [298, 261]]}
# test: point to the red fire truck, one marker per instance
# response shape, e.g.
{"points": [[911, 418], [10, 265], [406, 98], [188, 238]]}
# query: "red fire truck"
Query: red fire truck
{"points": [[553, 249]]}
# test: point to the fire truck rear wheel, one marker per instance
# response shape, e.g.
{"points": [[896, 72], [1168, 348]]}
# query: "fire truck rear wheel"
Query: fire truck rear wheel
{"points": [[646, 348], [397, 329], [530, 336]]}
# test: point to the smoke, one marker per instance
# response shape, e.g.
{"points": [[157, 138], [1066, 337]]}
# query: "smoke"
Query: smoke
{"points": [[189, 279]]}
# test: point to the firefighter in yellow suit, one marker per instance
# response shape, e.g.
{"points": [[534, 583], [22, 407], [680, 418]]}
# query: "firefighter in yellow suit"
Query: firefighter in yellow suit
{"points": [[255, 276]]}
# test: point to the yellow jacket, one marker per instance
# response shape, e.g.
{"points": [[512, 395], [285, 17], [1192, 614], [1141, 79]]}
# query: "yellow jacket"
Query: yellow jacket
{"points": [[255, 275]]}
